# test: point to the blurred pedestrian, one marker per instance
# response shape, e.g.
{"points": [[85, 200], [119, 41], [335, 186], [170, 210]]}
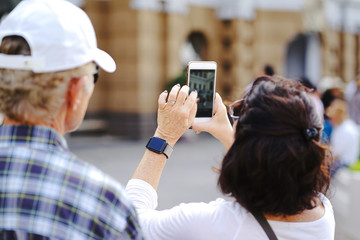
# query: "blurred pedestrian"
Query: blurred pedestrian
{"points": [[327, 98], [345, 135], [48, 69], [268, 70], [352, 96], [275, 169]]}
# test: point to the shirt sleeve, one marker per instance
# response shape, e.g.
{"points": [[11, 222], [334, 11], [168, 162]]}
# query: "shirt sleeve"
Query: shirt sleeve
{"points": [[185, 221], [345, 142], [125, 214]]}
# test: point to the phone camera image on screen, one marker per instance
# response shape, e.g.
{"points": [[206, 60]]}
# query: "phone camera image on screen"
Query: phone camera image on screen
{"points": [[203, 82]]}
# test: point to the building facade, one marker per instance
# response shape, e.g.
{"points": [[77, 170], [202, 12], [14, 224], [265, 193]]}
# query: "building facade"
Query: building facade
{"points": [[146, 37], [150, 39]]}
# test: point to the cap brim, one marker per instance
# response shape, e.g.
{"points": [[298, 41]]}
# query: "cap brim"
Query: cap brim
{"points": [[104, 61]]}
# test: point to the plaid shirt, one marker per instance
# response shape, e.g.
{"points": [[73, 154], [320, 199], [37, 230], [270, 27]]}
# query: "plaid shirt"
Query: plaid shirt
{"points": [[48, 193]]}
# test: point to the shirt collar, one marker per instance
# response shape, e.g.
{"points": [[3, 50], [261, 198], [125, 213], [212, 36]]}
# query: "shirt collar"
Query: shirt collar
{"points": [[34, 136]]}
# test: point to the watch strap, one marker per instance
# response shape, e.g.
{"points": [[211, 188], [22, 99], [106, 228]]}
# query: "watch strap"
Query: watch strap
{"points": [[168, 150]]}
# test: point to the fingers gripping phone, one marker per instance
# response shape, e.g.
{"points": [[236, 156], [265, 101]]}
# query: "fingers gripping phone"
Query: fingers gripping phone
{"points": [[201, 76]]}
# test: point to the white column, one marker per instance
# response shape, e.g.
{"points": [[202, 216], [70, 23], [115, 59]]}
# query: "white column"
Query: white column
{"points": [[282, 5], [333, 14], [154, 5], [343, 15], [234, 9], [177, 6], [206, 3], [352, 17]]}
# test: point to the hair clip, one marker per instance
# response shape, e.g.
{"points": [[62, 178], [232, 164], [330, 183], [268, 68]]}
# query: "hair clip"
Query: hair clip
{"points": [[311, 133]]}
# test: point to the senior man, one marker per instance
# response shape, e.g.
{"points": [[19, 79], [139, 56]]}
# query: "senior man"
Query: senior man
{"points": [[48, 68]]}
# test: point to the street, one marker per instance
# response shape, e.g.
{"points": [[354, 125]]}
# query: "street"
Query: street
{"points": [[187, 177]]}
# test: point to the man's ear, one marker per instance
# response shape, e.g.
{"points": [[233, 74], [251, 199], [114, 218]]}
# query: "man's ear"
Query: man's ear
{"points": [[75, 91]]}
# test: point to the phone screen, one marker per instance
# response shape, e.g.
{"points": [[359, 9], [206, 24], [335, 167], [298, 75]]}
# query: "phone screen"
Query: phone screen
{"points": [[203, 82]]}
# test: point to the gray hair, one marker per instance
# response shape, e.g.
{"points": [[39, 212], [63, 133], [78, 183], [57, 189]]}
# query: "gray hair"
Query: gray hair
{"points": [[25, 95]]}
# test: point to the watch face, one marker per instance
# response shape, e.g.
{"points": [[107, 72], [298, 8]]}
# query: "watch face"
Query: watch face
{"points": [[156, 144]]}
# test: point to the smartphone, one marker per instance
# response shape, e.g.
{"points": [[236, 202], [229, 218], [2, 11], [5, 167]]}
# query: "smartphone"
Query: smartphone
{"points": [[201, 76]]}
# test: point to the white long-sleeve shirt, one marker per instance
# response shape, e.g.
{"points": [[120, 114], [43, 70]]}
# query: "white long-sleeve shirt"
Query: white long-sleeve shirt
{"points": [[345, 142], [218, 219]]}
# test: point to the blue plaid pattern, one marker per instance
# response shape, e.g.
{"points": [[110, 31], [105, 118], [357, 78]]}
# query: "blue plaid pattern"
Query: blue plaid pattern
{"points": [[48, 193]]}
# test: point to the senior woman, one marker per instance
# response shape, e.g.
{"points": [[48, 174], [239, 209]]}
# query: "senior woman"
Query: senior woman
{"points": [[275, 169]]}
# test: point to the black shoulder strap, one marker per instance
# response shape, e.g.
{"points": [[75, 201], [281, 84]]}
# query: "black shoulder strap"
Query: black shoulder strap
{"points": [[265, 225]]}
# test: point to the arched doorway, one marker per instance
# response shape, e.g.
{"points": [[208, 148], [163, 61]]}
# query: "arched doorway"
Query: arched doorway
{"points": [[194, 48], [303, 57]]}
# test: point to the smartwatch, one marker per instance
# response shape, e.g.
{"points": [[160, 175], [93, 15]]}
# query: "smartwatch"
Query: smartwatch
{"points": [[159, 145]]}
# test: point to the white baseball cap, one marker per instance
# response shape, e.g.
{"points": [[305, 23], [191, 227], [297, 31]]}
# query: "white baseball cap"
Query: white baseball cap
{"points": [[60, 36]]}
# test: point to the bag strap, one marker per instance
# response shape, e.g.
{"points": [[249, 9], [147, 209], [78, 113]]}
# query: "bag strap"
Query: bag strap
{"points": [[264, 224]]}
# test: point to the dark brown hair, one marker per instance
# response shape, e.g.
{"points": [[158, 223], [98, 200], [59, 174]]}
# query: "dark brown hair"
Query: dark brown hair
{"points": [[274, 166]]}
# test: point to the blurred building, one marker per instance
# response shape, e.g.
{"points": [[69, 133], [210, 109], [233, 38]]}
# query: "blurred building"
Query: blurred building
{"points": [[329, 45], [6, 6], [152, 40]]}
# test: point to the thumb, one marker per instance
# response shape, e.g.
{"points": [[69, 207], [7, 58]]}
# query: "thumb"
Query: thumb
{"points": [[202, 126], [219, 105]]}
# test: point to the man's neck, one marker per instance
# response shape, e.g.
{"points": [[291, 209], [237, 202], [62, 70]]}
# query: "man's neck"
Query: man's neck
{"points": [[55, 124]]}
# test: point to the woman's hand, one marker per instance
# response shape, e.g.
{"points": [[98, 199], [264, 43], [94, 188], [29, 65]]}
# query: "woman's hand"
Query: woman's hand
{"points": [[219, 126], [176, 114]]}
